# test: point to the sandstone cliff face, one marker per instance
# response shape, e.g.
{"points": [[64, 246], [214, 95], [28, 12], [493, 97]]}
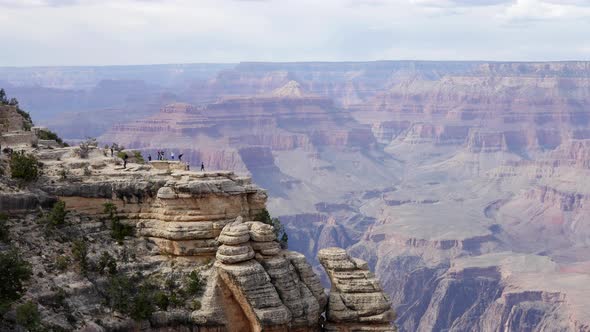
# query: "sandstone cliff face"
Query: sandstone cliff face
{"points": [[356, 299]]}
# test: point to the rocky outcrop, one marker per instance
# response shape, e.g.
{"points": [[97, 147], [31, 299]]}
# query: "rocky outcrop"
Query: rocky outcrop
{"points": [[357, 302], [275, 289], [202, 221], [183, 215]]}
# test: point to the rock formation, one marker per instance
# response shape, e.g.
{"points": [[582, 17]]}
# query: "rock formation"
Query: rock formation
{"points": [[198, 221], [269, 288], [357, 302]]}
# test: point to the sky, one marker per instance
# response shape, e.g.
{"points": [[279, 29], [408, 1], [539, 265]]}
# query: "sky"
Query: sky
{"points": [[125, 32]]}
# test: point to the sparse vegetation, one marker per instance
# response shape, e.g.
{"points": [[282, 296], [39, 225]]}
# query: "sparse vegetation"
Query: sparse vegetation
{"points": [[117, 147], [47, 134], [138, 157], [61, 263], [108, 263], [130, 296], [24, 167], [280, 232], [28, 316], [57, 215], [83, 150], [194, 283], [4, 229], [196, 305], [80, 254], [15, 272], [161, 300], [118, 230]]}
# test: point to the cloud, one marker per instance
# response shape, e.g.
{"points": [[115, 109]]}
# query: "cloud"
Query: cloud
{"points": [[461, 3], [100, 32], [523, 11]]}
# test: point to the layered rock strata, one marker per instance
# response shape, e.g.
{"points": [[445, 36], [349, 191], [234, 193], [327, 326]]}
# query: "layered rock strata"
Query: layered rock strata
{"points": [[357, 302], [275, 289], [182, 212]]}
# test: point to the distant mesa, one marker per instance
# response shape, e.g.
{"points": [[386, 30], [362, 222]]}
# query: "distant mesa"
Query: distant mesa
{"points": [[290, 90]]}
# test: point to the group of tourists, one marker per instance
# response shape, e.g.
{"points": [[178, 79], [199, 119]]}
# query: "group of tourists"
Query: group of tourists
{"points": [[162, 154]]}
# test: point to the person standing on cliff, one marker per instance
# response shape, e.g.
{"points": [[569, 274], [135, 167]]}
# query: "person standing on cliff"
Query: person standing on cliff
{"points": [[180, 156], [150, 157], [202, 167], [172, 155], [111, 150], [125, 160]]}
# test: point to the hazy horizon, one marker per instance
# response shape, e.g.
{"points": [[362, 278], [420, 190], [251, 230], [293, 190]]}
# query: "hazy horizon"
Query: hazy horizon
{"points": [[290, 62]]}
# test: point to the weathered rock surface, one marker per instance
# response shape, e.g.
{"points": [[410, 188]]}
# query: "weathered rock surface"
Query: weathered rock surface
{"points": [[275, 291], [356, 298]]}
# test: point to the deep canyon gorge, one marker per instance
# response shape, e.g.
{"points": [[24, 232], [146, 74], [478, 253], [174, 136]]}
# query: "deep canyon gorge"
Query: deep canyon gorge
{"points": [[464, 185]]}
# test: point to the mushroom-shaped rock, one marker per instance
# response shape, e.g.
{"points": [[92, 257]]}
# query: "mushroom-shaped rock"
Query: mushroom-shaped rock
{"points": [[234, 233], [261, 232]]}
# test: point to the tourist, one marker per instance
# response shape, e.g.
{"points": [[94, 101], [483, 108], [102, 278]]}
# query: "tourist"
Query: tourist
{"points": [[180, 157], [111, 151], [202, 167], [149, 157], [171, 155], [125, 160]]}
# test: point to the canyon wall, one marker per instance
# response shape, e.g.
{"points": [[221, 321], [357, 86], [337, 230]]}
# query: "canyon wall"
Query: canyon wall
{"points": [[462, 184]]}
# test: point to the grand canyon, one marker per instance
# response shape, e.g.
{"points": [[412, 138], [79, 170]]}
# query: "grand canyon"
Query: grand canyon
{"points": [[463, 184]]}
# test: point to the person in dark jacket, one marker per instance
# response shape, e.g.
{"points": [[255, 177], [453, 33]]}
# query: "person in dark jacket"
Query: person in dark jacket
{"points": [[202, 167], [125, 156]]}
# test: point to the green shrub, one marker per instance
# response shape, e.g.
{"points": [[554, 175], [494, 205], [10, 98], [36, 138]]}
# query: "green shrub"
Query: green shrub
{"points": [[27, 315], [280, 232], [176, 300], [130, 296], [62, 262], [118, 230], [4, 229], [107, 262], [57, 215], [47, 134], [24, 167], [119, 292], [161, 300], [27, 121], [138, 157], [143, 304], [194, 283], [80, 254], [14, 273], [196, 305]]}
